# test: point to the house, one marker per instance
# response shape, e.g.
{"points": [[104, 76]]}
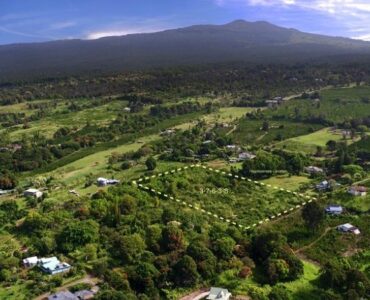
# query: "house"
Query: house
{"points": [[52, 265], [84, 295], [30, 261], [347, 134], [245, 156], [2, 192], [358, 190], [167, 132], [218, 294], [127, 109], [323, 185], [207, 142], [233, 148], [32, 193], [334, 209], [313, 170], [272, 103], [348, 228], [63, 295], [101, 181]]}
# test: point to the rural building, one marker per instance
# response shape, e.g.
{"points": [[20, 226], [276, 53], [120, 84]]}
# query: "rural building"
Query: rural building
{"points": [[358, 190], [52, 265], [348, 228], [101, 181], [63, 295], [334, 209], [84, 295], [127, 109], [167, 132], [313, 170], [30, 261], [245, 156], [218, 294], [272, 103], [32, 193], [2, 192], [323, 185], [207, 142]]}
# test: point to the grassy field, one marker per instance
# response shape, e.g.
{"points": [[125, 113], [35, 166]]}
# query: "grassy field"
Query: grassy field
{"points": [[308, 143], [59, 118], [224, 115], [336, 105], [250, 132], [288, 182], [301, 289]]}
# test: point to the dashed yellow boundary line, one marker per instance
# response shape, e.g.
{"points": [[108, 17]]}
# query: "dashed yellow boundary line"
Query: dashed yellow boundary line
{"points": [[139, 184]]}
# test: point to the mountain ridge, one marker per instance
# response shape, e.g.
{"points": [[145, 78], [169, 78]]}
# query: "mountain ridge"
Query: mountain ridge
{"points": [[240, 40]]}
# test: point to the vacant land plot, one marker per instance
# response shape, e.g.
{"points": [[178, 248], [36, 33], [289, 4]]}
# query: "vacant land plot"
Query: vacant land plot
{"points": [[240, 201], [250, 131]]}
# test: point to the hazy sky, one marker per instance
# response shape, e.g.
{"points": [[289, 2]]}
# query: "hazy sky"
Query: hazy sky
{"points": [[43, 20]]}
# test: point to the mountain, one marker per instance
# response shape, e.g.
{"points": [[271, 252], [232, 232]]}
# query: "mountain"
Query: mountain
{"points": [[253, 42]]}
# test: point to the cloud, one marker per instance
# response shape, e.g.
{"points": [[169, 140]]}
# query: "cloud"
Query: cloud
{"points": [[115, 32], [352, 15], [62, 25], [125, 28], [365, 37], [21, 33]]}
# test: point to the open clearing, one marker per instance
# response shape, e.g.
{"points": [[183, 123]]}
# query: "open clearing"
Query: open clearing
{"points": [[241, 202], [308, 143]]}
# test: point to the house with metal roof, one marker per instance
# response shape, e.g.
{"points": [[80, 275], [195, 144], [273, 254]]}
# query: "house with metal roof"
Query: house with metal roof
{"points": [[52, 265], [334, 209], [63, 295], [348, 228], [218, 294]]}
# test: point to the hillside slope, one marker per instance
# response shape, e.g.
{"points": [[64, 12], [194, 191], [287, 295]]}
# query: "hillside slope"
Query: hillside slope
{"points": [[253, 42]]}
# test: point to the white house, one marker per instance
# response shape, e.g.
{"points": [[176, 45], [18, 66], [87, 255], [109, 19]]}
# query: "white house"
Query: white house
{"points": [[348, 228], [245, 156], [52, 265], [334, 209], [323, 185], [101, 181], [218, 294], [358, 190], [30, 261], [314, 170], [127, 109], [32, 193]]}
